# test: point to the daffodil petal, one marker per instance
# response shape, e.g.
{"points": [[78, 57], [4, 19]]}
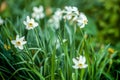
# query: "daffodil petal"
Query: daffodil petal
{"points": [[75, 61], [75, 67]]}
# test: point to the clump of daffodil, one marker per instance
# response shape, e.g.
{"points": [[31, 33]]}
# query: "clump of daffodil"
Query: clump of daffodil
{"points": [[38, 12], [72, 13], [19, 42], [79, 62], [30, 23]]}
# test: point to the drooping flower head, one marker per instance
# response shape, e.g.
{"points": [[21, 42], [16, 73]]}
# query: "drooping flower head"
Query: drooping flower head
{"points": [[79, 62], [19, 42], [38, 12], [82, 20], [30, 23]]}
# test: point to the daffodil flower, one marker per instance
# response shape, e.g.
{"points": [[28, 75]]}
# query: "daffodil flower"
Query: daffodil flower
{"points": [[30, 23], [82, 20], [54, 21], [79, 62], [58, 14], [19, 42], [38, 12]]}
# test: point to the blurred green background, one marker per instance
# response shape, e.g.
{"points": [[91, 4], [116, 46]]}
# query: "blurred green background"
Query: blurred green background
{"points": [[103, 15]]}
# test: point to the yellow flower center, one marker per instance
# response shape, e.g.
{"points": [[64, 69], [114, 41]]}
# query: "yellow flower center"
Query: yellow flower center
{"points": [[85, 21], [80, 65], [30, 24], [18, 43]]}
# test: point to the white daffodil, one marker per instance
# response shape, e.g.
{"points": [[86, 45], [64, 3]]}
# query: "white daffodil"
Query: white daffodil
{"points": [[54, 21], [19, 42], [1, 21], [82, 20], [38, 12], [30, 23], [58, 14], [70, 12], [79, 62]]}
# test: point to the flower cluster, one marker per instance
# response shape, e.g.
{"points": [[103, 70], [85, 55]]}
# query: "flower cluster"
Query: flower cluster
{"points": [[79, 62], [72, 13], [68, 13]]}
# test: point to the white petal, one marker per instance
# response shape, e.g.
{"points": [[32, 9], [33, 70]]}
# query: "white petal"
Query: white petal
{"points": [[28, 28], [13, 42], [33, 15], [35, 24], [75, 18], [41, 8], [79, 20], [24, 42], [69, 17], [15, 46], [35, 9], [75, 61], [75, 67], [32, 20], [20, 47], [84, 66], [28, 18], [17, 37], [82, 26], [22, 38], [82, 59], [24, 22]]}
